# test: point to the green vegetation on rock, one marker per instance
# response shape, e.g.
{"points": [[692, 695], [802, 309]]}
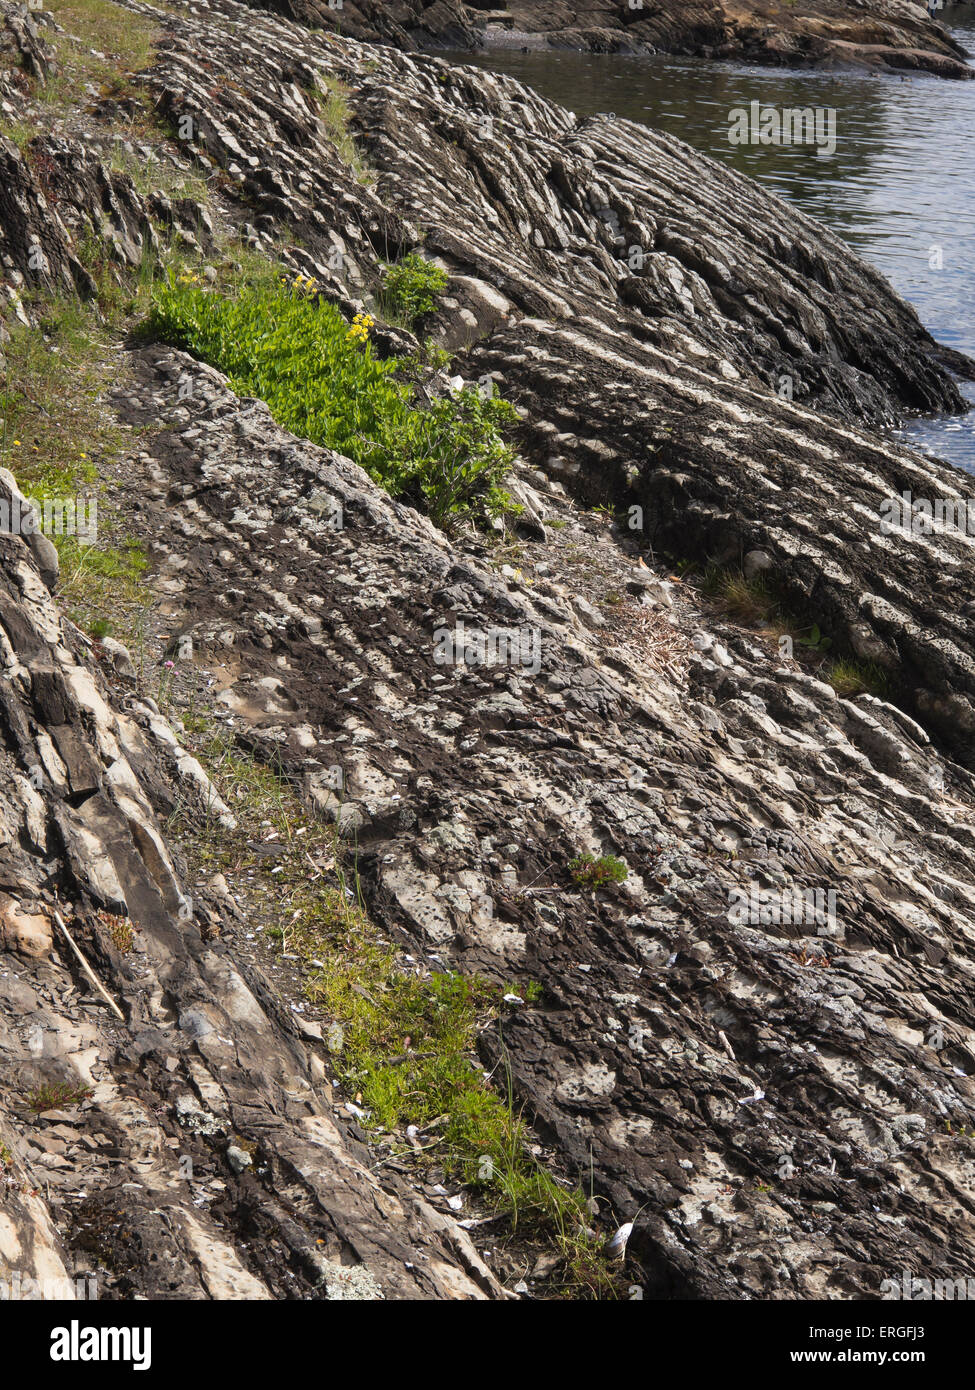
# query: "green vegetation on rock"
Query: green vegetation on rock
{"points": [[410, 288], [322, 380]]}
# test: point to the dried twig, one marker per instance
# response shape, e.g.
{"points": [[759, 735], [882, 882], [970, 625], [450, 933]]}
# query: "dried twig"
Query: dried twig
{"points": [[87, 968]]}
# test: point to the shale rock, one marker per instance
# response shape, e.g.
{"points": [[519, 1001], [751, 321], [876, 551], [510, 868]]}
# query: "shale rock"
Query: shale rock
{"points": [[776, 1098]]}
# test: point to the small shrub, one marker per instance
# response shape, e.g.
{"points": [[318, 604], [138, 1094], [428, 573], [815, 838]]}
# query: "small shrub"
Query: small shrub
{"points": [[410, 287], [51, 1096], [589, 872]]}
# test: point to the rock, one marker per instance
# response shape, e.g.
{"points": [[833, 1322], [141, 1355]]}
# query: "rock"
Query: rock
{"points": [[239, 1159], [118, 656], [756, 562], [823, 33], [30, 934], [589, 615], [20, 516], [45, 554]]}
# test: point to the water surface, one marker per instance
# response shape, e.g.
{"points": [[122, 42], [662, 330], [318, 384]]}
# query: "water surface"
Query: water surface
{"points": [[900, 187]]}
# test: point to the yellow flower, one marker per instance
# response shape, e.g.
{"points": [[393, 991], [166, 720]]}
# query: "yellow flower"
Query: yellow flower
{"points": [[359, 331], [16, 441]]}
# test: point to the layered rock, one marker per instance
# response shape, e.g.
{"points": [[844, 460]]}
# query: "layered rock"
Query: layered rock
{"points": [[679, 293], [776, 1097], [826, 33], [132, 1174]]}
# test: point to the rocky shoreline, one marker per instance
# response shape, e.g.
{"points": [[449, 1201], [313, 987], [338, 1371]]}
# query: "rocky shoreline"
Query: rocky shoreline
{"points": [[893, 34], [777, 1101]]}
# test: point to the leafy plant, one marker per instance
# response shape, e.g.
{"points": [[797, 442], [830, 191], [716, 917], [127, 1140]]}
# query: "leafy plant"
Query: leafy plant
{"points": [[815, 641], [410, 287], [322, 380], [590, 872]]}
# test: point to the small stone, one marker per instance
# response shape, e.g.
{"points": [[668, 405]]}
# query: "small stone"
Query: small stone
{"points": [[239, 1159], [756, 562]]}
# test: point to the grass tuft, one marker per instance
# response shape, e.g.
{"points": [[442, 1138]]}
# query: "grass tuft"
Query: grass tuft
{"points": [[403, 1040], [852, 678]]}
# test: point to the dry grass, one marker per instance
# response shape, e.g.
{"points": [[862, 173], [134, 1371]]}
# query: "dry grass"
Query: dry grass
{"points": [[741, 600], [101, 44]]}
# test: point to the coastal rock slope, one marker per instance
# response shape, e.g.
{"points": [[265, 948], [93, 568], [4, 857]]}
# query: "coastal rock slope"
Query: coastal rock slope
{"points": [[645, 308], [780, 1105]]}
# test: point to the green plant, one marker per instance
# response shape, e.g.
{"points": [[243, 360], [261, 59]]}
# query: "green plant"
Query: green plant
{"points": [[434, 356], [52, 1095], [410, 287], [589, 872], [852, 678], [815, 641], [321, 379]]}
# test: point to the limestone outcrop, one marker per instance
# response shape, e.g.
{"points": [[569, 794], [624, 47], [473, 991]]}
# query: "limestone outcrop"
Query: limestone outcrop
{"points": [[779, 1098]]}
